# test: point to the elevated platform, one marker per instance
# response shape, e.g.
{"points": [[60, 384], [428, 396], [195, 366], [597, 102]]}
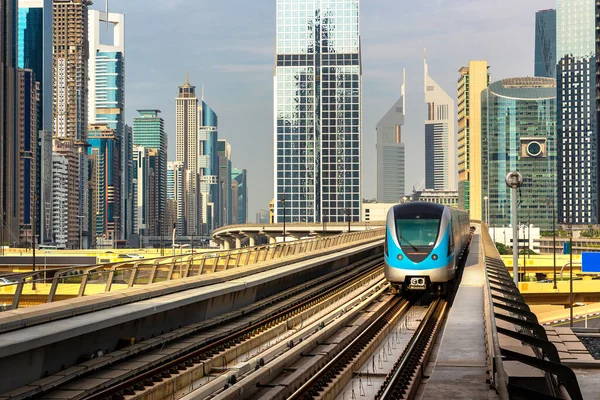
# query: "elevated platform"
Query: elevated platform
{"points": [[460, 368], [45, 349]]}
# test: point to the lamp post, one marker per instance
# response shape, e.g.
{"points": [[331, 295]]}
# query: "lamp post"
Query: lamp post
{"points": [[283, 201], [486, 208], [324, 216], [81, 231], [571, 276], [348, 217], [513, 181]]}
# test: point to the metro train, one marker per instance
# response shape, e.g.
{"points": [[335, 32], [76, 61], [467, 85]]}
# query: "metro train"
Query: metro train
{"points": [[424, 243]]}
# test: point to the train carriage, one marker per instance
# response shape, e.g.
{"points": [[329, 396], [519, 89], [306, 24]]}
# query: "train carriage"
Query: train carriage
{"points": [[424, 244]]}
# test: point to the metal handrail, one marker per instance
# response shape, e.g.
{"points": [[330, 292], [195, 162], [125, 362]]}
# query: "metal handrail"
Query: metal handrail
{"points": [[559, 378], [183, 264]]}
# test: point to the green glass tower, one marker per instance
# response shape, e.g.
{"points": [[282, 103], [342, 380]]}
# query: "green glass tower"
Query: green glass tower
{"points": [[149, 131], [518, 133]]}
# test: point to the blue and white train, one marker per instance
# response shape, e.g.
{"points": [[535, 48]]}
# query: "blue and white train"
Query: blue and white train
{"points": [[424, 243]]}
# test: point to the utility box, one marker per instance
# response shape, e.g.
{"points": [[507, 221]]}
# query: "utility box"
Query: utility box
{"points": [[567, 248], [590, 262]]}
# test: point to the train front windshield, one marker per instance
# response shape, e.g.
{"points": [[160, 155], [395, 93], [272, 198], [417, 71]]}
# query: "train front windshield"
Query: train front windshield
{"points": [[417, 232]]}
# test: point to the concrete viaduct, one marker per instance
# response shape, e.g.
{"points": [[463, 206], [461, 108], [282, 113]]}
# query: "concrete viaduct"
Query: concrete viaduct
{"points": [[231, 236]]}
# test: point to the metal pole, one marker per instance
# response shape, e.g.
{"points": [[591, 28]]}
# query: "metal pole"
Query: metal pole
{"points": [[571, 277], [515, 237], [554, 242], [33, 246], [524, 252], [2, 231], [173, 242], [283, 201], [348, 215]]}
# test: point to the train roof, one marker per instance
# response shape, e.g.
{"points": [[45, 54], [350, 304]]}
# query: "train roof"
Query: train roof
{"points": [[419, 206]]}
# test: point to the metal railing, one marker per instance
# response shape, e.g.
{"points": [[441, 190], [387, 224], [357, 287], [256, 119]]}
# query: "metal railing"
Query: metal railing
{"points": [[509, 323], [37, 287]]}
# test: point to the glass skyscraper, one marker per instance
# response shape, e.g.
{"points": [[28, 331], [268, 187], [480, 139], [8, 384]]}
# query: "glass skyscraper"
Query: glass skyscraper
{"points": [[239, 182], [149, 132], [545, 43], [576, 111], [209, 162], [317, 110], [518, 133]]}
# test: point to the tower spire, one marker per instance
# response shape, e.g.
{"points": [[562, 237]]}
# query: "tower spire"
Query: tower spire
{"points": [[187, 81]]}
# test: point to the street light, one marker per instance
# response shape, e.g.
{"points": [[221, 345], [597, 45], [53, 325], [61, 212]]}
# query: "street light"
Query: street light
{"points": [[548, 204], [348, 217], [283, 201], [324, 216], [514, 180], [81, 231], [486, 209]]}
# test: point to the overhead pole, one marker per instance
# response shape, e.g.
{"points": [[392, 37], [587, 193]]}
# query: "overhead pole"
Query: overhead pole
{"points": [[514, 180]]}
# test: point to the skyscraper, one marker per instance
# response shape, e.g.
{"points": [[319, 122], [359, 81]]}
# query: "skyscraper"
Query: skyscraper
{"points": [[9, 201], [28, 92], [189, 118], [390, 151], [239, 192], [209, 163], [34, 52], [317, 110], [473, 79], [226, 200], [105, 148], [69, 105], [149, 131], [576, 111], [106, 94], [507, 106], [175, 196], [545, 43], [440, 137]]}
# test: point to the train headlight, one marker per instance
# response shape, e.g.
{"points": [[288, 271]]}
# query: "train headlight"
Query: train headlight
{"points": [[434, 257], [400, 257]]}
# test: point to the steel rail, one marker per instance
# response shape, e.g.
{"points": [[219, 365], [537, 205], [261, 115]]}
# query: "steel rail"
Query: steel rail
{"points": [[181, 362], [317, 382], [400, 377]]}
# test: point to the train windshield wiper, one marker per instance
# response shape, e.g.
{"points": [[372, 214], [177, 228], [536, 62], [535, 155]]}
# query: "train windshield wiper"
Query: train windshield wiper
{"points": [[409, 243]]}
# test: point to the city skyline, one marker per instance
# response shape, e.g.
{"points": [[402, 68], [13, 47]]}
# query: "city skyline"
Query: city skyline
{"points": [[236, 70]]}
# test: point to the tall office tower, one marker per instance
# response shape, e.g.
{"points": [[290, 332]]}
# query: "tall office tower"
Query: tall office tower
{"points": [[226, 201], [69, 104], [27, 145], [239, 194], [545, 43], [473, 79], [60, 197], [105, 148], [45, 194], [149, 131], [9, 156], [127, 197], [175, 196], [317, 110], [208, 161], [106, 90], [390, 151], [440, 137], [188, 119], [140, 171], [34, 52], [507, 106], [576, 112]]}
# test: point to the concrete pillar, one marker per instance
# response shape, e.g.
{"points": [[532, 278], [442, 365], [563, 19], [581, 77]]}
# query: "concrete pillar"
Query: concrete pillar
{"points": [[251, 240], [218, 240], [226, 244]]}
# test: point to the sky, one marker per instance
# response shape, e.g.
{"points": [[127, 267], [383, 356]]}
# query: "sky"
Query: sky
{"points": [[229, 45]]}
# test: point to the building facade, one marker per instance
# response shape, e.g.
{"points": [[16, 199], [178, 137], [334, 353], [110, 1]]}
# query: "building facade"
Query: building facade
{"points": [[545, 44], [447, 198], [519, 134], [239, 194], [105, 148], [208, 162], [188, 121], [60, 197], [149, 131], [106, 92], [27, 122], [473, 79], [9, 215], [318, 113], [176, 196], [390, 151], [440, 137], [69, 105], [576, 116], [226, 200]]}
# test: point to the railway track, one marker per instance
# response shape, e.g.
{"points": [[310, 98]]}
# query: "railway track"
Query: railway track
{"points": [[339, 370], [404, 379], [205, 349]]}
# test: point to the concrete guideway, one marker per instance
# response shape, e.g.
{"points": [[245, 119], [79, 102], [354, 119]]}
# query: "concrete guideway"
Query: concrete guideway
{"points": [[46, 348]]}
